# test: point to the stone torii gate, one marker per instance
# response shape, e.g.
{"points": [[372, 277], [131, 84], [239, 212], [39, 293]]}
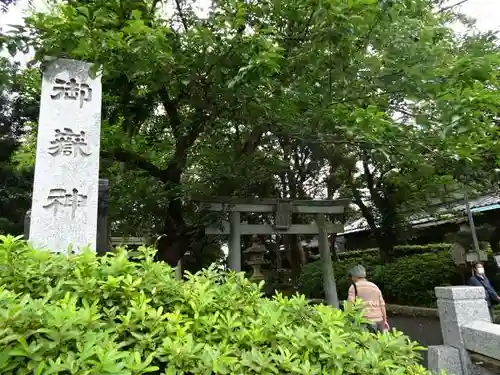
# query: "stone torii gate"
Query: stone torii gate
{"points": [[283, 210]]}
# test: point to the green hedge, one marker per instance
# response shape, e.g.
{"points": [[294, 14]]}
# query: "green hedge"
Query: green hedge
{"points": [[408, 280], [89, 315], [399, 251]]}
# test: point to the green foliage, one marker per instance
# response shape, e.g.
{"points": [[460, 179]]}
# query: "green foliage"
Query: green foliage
{"points": [[264, 98], [82, 314], [407, 280], [497, 314], [399, 251], [18, 101], [411, 280], [422, 161]]}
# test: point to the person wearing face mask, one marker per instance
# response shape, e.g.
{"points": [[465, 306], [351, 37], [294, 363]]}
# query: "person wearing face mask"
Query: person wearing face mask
{"points": [[479, 279]]}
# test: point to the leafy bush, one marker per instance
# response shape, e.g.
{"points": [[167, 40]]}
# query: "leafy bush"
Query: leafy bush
{"points": [[408, 280], [411, 280], [86, 315]]}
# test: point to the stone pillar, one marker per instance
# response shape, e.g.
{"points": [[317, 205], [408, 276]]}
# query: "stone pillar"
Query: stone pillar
{"points": [[234, 246], [326, 263], [66, 179], [458, 306], [102, 243], [27, 220]]}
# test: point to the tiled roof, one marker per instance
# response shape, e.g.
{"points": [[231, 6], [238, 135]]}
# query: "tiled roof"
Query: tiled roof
{"points": [[444, 212]]}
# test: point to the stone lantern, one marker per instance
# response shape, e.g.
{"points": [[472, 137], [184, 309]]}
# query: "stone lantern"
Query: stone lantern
{"points": [[255, 258]]}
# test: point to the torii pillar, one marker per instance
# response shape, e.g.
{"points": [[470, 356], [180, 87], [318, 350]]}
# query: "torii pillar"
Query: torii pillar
{"points": [[283, 210]]}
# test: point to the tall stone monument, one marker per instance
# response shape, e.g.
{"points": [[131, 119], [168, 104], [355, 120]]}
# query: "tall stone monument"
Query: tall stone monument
{"points": [[65, 189]]}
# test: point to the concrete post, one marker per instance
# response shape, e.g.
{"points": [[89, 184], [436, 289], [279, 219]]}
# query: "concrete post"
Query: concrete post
{"points": [[234, 256], [458, 306], [326, 263]]}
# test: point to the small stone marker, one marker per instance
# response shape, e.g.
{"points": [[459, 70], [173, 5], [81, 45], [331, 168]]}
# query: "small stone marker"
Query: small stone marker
{"points": [[65, 189]]}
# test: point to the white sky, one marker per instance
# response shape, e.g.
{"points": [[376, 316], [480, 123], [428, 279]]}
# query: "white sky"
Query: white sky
{"points": [[486, 12]]}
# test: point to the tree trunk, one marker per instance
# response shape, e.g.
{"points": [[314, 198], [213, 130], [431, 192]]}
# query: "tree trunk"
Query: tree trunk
{"points": [[297, 258], [177, 241], [177, 236], [385, 243], [174, 243]]}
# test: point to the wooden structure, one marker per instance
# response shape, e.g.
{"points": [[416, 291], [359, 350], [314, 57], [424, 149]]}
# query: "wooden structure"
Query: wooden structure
{"points": [[283, 210]]}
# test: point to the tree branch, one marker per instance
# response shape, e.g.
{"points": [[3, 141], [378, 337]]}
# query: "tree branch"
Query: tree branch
{"points": [[172, 112], [253, 140], [133, 159], [368, 174], [381, 177], [441, 10], [186, 140], [370, 181], [181, 14], [154, 3], [367, 214]]}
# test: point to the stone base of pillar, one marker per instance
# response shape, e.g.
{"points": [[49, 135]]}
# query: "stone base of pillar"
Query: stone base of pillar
{"points": [[444, 357]]}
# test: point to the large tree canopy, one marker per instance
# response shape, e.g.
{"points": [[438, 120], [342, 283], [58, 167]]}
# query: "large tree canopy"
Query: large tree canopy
{"points": [[266, 98]]}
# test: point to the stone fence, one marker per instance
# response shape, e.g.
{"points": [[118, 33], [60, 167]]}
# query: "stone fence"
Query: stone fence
{"points": [[411, 311], [393, 310], [471, 340]]}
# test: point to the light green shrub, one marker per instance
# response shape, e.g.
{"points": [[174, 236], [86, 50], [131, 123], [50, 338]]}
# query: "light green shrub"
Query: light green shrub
{"points": [[88, 315]]}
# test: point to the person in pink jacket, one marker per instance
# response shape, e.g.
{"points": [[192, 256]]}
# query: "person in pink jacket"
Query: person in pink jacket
{"points": [[373, 301]]}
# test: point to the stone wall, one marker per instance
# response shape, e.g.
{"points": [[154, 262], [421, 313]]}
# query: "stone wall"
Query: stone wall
{"points": [[471, 340], [411, 311]]}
